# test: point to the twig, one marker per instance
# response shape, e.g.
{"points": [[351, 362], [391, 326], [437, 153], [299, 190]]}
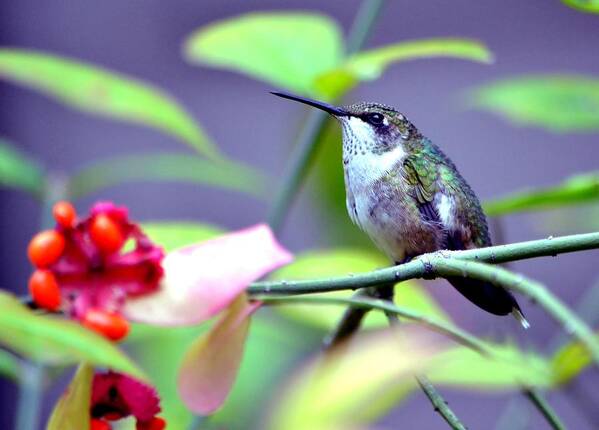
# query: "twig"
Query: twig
{"points": [[439, 403], [390, 308], [307, 141], [550, 415]]}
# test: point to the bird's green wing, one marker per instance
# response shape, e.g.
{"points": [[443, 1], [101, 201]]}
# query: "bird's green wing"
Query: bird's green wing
{"points": [[422, 174]]}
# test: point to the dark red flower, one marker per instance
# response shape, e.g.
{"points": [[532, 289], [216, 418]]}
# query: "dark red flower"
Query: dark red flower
{"points": [[97, 262], [116, 396]]}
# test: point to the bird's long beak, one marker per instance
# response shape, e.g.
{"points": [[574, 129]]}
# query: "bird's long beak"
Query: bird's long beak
{"points": [[333, 110]]}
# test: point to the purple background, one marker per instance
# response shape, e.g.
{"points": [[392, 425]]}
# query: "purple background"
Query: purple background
{"points": [[143, 39]]}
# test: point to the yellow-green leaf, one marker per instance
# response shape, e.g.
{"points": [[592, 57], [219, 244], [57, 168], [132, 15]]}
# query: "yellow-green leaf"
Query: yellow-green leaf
{"points": [[569, 361], [507, 368], [10, 366], [103, 92], [341, 390], [19, 171], [172, 235], [288, 50], [167, 167], [577, 189], [558, 103], [325, 263], [72, 410], [590, 6], [53, 340], [370, 64]]}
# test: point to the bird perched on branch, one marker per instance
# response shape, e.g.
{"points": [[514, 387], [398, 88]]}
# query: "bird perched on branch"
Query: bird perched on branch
{"points": [[408, 196]]}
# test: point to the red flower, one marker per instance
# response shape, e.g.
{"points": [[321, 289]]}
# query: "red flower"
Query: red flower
{"points": [[86, 267], [116, 396]]}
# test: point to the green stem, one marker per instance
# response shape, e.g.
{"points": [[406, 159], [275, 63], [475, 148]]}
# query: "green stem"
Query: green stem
{"points": [[571, 323], [307, 141], [550, 415], [363, 23], [31, 391], [416, 268], [442, 327], [439, 403]]}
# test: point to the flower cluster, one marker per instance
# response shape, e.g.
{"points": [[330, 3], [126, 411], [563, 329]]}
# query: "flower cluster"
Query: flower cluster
{"points": [[116, 396], [88, 267]]}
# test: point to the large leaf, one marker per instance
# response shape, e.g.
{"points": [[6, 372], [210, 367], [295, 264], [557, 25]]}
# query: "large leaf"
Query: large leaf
{"points": [[57, 341], [558, 103], [591, 6], [171, 235], [210, 366], [19, 171], [287, 50], [72, 410], [370, 64], [574, 190], [319, 264], [341, 389], [103, 92], [167, 167]]}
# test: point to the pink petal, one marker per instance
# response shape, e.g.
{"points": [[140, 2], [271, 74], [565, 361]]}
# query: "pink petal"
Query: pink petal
{"points": [[201, 280], [211, 363]]}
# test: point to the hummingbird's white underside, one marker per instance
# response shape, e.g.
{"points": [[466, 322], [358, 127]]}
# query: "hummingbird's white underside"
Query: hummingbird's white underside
{"points": [[363, 167]]}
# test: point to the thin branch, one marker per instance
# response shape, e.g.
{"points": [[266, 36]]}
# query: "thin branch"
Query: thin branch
{"points": [[307, 141], [416, 268], [571, 323], [439, 403], [448, 329], [550, 415]]}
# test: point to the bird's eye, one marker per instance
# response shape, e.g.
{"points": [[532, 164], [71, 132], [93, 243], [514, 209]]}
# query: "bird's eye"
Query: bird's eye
{"points": [[375, 118]]}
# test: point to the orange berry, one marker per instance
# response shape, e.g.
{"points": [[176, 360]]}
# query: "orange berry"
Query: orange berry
{"points": [[106, 234], [45, 248], [64, 214], [44, 289], [157, 423], [110, 324], [99, 425]]}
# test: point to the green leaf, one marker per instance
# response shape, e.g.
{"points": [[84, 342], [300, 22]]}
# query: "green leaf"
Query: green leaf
{"points": [[288, 50], [590, 6], [10, 367], [319, 264], [507, 368], [574, 190], [343, 388], [57, 341], [103, 92], [167, 167], [558, 103], [72, 410], [369, 65], [172, 235], [19, 171], [569, 361]]}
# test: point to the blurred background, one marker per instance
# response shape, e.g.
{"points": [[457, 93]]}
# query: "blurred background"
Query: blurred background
{"points": [[144, 39]]}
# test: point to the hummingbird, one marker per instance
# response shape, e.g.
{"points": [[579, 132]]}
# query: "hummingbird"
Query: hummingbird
{"points": [[408, 196]]}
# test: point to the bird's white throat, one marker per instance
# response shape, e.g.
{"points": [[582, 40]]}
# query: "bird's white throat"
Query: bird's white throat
{"points": [[363, 164]]}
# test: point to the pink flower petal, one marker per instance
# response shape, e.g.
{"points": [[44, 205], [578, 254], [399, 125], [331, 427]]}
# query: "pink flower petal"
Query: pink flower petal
{"points": [[211, 363], [201, 280]]}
